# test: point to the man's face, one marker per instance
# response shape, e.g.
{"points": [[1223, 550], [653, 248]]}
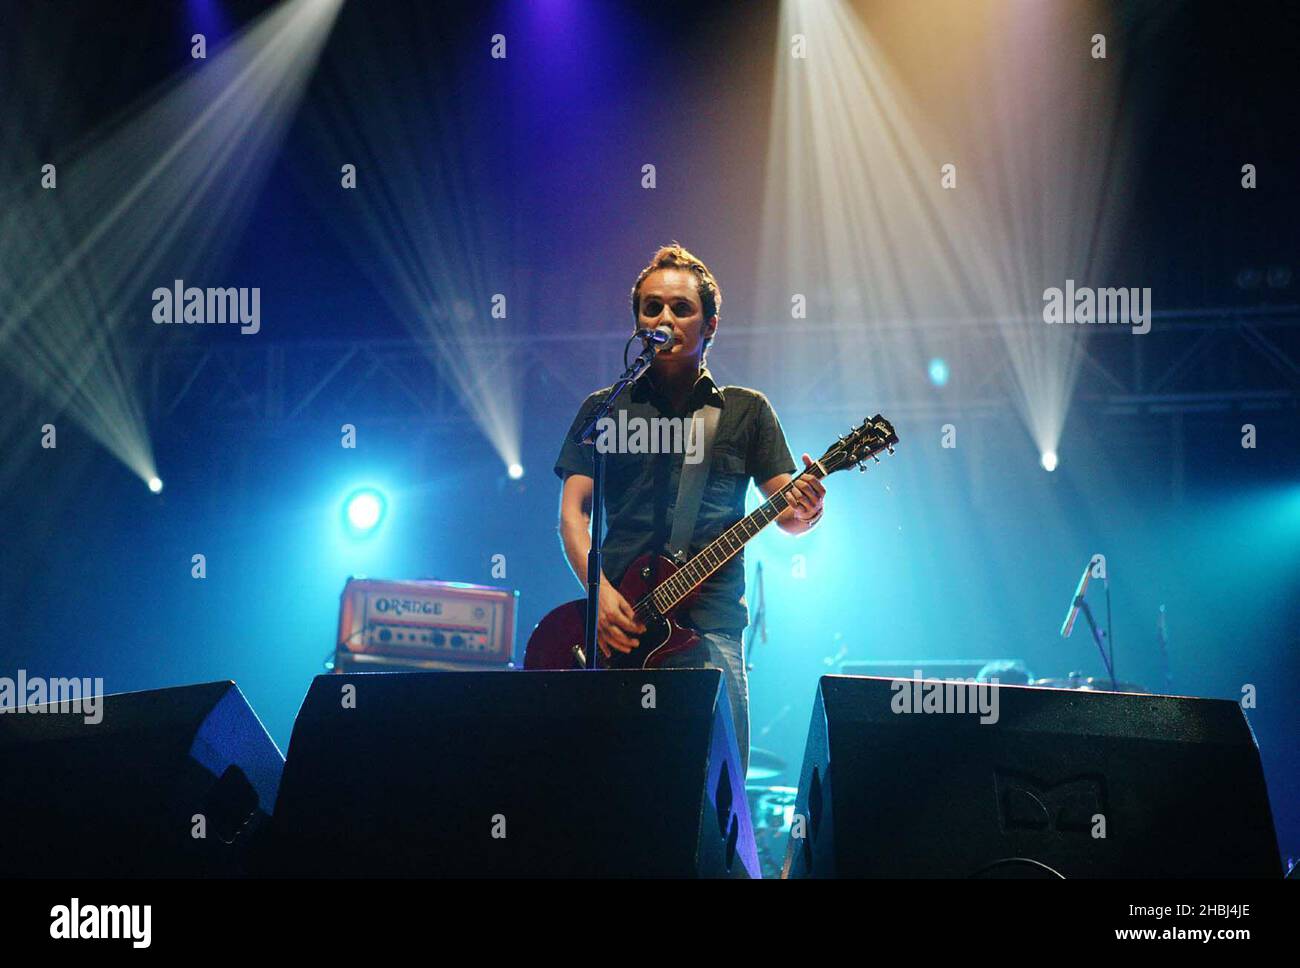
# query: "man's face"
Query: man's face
{"points": [[670, 297]]}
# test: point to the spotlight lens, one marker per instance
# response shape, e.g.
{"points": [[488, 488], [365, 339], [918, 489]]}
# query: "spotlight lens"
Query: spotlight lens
{"points": [[1048, 460], [364, 510], [515, 471], [155, 484], [938, 371]]}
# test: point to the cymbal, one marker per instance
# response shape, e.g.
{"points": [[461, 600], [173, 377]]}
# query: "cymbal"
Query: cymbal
{"points": [[764, 764], [1090, 684]]}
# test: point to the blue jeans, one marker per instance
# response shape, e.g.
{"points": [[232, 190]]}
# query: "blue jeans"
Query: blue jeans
{"points": [[725, 651]]}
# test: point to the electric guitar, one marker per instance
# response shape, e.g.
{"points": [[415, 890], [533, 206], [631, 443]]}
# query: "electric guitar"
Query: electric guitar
{"points": [[660, 587]]}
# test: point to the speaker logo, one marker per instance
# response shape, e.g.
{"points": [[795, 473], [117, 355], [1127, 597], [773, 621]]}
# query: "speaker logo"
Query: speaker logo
{"points": [[1029, 803]]}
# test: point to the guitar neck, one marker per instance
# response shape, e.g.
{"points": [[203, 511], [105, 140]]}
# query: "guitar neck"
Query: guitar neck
{"points": [[724, 547]]}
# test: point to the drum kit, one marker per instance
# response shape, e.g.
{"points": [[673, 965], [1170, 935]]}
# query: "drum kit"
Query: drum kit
{"points": [[1077, 680], [771, 809]]}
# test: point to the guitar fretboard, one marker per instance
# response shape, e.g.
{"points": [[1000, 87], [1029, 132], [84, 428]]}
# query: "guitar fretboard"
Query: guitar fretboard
{"points": [[717, 552]]}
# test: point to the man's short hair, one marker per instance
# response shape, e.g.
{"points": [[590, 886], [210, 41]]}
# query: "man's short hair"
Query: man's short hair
{"points": [[674, 256]]}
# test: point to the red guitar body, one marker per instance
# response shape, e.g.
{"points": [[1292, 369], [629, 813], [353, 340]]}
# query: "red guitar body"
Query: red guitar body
{"points": [[557, 642]]}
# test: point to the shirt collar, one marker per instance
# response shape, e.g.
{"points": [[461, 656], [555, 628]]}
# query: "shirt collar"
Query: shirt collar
{"points": [[707, 389], [705, 392]]}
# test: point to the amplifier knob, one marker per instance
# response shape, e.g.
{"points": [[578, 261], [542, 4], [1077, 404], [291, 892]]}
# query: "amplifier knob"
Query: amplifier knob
{"points": [[457, 641], [439, 638]]}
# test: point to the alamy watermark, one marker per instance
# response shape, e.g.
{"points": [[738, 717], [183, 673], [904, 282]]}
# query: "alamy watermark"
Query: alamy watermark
{"points": [[183, 304], [654, 435], [40, 696], [957, 696], [75, 921], [1084, 305]]}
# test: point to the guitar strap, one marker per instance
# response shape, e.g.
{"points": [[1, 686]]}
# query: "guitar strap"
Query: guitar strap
{"points": [[690, 486]]}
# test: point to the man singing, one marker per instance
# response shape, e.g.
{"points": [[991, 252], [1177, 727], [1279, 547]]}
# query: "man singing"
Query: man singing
{"points": [[678, 290]]}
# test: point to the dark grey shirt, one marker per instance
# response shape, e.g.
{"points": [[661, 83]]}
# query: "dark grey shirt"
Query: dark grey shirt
{"points": [[641, 488]]}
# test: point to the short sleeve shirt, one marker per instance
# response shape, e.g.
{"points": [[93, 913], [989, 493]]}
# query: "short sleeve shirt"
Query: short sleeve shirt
{"points": [[641, 487]]}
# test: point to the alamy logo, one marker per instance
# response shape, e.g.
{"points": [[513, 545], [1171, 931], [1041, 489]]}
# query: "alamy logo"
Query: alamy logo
{"points": [[215, 306], [71, 922], [38, 696], [655, 435], [945, 696], [1084, 305]]}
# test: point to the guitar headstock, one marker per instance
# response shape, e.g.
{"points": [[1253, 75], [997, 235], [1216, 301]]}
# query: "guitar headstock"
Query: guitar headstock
{"points": [[865, 442]]}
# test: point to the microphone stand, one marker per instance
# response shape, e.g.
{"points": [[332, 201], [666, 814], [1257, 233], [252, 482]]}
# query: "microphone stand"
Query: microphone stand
{"points": [[1162, 634], [1077, 605], [587, 436], [758, 627], [1097, 637], [1110, 636]]}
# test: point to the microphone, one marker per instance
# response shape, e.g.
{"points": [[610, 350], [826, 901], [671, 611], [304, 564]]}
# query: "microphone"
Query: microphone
{"points": [[659, 337], [1075, 602]]}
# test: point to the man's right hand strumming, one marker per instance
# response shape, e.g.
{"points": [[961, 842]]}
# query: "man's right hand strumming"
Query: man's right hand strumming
{"points": [[617, 626]]}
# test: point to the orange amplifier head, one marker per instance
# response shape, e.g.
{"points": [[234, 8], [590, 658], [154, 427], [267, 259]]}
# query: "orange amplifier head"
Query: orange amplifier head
{"points": [[433, 624]]}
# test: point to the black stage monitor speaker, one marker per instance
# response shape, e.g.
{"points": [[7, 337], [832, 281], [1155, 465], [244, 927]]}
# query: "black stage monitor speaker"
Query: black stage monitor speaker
{"points": [[115, 790], [1032, 783], [547, 774]]}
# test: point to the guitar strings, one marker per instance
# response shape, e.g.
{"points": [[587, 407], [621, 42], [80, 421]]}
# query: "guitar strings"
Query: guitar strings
{"points": [[647, 604]]}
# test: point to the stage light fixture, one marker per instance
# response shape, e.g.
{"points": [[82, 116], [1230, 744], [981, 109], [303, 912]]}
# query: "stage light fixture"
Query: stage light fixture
{"points": [[939, 371], [156, 485], [1048, 460], [363, 511], [436, 256], [515, 471], [164, 187], [921, 244]]}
